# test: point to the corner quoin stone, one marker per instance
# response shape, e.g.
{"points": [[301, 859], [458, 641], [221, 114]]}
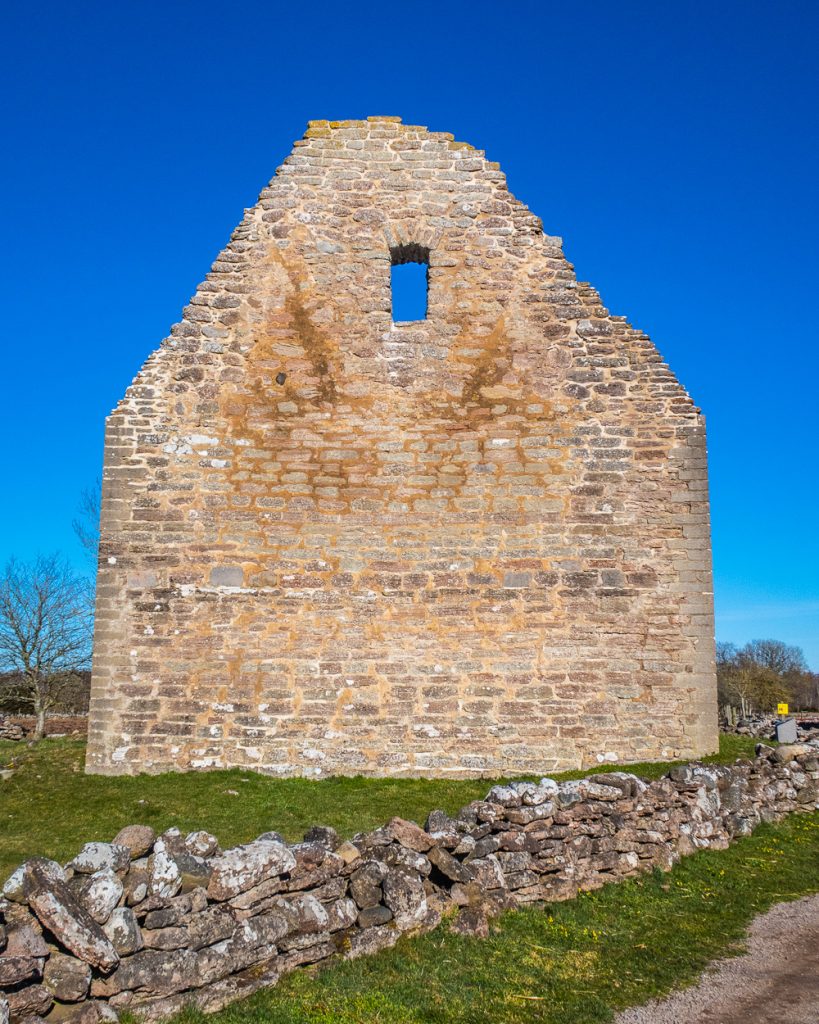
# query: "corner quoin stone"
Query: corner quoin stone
{"points": [[476, 544]]}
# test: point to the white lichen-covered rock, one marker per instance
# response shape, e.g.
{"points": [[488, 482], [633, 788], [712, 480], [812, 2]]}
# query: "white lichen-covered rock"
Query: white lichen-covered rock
{"points": [[599, 791], [341, 914], [201, 844], [245, 866], [164, 876], [571, 792], [506, 796], [97, 856], [4, 1010], [123, 931], [100, 894], [13, 886], [305, 914], [405, 896], [68, 922]]}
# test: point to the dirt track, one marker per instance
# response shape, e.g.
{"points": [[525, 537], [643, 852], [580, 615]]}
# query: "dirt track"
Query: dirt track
{"points": [[775, 982]]}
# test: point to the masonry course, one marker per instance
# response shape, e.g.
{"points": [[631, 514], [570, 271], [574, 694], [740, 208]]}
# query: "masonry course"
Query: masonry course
{"points": [[475, 544]]}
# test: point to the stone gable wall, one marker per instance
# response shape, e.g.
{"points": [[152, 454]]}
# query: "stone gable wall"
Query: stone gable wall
{"points": [[149, 924], [475, 544]]}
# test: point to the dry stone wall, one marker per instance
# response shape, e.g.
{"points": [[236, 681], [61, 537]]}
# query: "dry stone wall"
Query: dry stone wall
{"points": [[475, 544], [150, 924]]}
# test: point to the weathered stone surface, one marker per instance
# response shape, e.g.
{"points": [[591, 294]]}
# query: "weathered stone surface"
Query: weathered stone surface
{"points": [[348, 852], [97, 856], [100, 894], [210, 926], [449, 866], [24, 938], [789, 751], [408, 834], [341, 914], [371, 940], [365, 883], [66, 977], [324, 836], [29, 1001], [305, 914], [165, 938], [137, 839], [122, 929], [164, 875], [471, 920], [71, 925], [151, 970], [78, 1013], [14, 886], [404, 895], [370, 917], [14, 969], [135, 884], [245, 866], [201, 844], [519, 404]]}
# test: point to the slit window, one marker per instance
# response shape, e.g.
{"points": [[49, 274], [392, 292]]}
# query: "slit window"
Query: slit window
{"points": [[409, 280]]}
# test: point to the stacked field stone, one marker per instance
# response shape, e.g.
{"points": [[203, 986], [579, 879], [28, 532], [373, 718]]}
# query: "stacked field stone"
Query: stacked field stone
{"points": [[149, 923], [10, 730]]}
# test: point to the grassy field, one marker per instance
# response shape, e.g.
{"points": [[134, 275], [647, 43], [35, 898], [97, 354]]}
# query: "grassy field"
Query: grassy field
{"points": [[567, 963], [50, 807]]}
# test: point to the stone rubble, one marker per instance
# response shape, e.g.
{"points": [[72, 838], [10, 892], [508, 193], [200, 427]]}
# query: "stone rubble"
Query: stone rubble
{"points": [[10, 731], [151, 923]]}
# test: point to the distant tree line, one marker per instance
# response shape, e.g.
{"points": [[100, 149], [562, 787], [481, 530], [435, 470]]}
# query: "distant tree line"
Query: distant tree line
{"points": [[763, 673]]}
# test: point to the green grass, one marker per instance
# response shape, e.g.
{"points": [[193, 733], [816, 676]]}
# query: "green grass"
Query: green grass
{"points": [[50, 807], [567, 963]]}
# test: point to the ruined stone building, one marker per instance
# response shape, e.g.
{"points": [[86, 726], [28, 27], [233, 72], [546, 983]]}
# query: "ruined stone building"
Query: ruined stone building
{"points": [[473, 543]]}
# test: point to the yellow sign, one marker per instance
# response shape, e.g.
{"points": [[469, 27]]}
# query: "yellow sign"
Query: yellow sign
{"points": [[782, 710]]}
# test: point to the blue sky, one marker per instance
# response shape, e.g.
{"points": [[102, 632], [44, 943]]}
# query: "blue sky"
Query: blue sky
{"points": [[673, 146]]}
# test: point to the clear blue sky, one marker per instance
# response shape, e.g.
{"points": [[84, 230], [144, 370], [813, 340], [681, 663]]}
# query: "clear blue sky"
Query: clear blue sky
{"points": [[673, 146]]}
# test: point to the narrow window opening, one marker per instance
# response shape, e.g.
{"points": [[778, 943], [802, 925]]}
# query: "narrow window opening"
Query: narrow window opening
{"points": [[409, 279]]}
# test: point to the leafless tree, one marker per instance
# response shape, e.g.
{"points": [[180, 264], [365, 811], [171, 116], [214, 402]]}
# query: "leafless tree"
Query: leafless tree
{"points": [[761, 674], [86, 524], [46, 622], [778, 657]]}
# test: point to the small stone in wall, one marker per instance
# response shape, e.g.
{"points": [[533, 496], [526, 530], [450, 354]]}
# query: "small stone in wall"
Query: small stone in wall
{"points": [[100, 894], [66, 977], [16, 969], [122, 929], [62, 915], [13, 888], [371, 917], [164, 876], [245, 866], [324, 836], [138, 839], [405, 896], [96, 856]]}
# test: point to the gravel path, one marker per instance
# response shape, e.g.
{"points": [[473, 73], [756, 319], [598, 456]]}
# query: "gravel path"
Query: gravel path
{"points": [[775, 982]]}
